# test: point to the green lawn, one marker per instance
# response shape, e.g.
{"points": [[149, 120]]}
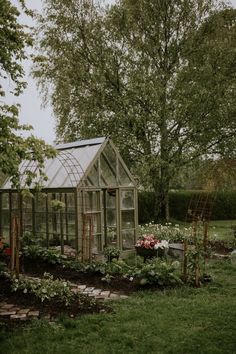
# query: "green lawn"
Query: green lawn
{"points": [[222, 229], [218, 229], [178, 321]]}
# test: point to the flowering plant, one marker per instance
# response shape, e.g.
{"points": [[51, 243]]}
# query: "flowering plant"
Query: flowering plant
{"points": [[150, 242], [5, 248]]}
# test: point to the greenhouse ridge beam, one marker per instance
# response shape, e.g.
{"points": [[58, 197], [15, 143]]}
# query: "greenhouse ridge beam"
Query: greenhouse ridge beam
{"points": [[80, 143]]}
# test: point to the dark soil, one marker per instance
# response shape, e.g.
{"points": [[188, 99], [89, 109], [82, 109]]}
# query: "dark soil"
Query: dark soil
{"points": [[220, 247], [52, 309], [117, 284]]}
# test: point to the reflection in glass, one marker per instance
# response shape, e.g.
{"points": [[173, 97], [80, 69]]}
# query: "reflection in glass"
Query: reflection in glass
{"points": [[108, 175], [111, 239], [92, 201], [127, 199], [127, 219], [123, 176], [111, 217], [128, 239], [93, 175]]}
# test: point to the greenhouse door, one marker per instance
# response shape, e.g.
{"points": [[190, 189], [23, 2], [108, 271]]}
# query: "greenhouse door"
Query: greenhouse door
{"points": [[91, 231], [110, 216]]}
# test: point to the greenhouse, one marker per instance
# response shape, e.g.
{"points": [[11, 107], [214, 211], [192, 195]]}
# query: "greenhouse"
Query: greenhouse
{"points": [[88, 202]]}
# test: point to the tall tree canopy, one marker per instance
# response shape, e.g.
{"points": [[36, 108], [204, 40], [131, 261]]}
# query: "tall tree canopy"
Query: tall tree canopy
{"points": [[14, 148], [157, 76]]}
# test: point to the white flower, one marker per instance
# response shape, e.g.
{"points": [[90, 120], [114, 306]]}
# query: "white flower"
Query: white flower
{"points": [[165, 244]]}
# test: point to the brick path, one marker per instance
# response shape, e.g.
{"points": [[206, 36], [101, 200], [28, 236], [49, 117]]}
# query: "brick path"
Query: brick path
{"points": [[16, 312]]}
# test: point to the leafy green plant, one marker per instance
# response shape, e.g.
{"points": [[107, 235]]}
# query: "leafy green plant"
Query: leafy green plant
{"points": [[111, 252], [57, 205], [3, 267], [48, 255], [156, 272], [45, 288]]}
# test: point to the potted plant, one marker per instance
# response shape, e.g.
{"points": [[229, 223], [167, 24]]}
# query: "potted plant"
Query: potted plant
{"points": [[57, 205], [148, 246], [111, 253]]}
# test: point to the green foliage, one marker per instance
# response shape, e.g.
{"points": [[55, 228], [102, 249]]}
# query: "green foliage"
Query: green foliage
{"points": [[36, 252], [14, 148], [45, 288], [3, 267], [157, 272], [57, 205], [179, 320], [169, 232], [111, 252], [160, 272], [146, 210], [159, 79], [224, 206]]}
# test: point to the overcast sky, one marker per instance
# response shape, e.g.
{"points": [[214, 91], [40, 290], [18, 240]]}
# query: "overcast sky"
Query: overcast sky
{"points": [[31, 111]]}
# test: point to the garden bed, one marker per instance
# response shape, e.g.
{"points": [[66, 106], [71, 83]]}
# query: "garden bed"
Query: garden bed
{"points": [[48, 308], [116, 283]]}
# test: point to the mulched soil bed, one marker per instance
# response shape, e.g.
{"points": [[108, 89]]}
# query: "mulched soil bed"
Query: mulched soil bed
{"points": [[117, 284], [220, 247]]}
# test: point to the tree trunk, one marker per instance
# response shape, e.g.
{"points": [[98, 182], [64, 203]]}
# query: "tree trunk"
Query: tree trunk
{"points": [[161, 182]]}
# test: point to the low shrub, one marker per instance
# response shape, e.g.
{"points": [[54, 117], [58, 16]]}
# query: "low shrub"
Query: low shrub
{"points": [[224, 205], [156, 272], [45, 288], [46, 254]]}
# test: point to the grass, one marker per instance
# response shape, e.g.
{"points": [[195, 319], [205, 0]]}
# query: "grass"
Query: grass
{"points": [[179, 321], [221, 230]]}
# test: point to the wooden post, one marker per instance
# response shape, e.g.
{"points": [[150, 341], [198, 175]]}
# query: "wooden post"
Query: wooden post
{"points": [[1, 232], [185, 262], [47, 222], [61, 228], [205, 238], [197, 272], [12, 243], [76, 220], [17, 244]]}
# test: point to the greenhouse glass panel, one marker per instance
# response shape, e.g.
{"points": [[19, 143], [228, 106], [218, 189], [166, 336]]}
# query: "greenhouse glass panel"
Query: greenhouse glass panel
{"points": [[5, 215], [40, 202], [93, 175], [123, 176], [128, 239], [108, 175], [110, 157], [127, 217], [127, 199], [14, 200], [92, 201], [111, 237]]}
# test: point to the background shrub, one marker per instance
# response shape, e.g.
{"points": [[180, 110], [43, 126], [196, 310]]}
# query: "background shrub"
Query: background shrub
{"points": [[224, 206]]}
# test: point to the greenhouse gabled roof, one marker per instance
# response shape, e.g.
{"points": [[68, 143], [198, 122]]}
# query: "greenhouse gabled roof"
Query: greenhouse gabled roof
{"points": [[69, 166]]}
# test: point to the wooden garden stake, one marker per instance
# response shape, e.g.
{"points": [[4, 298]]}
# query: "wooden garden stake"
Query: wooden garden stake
{"points": [[15, 246], [185, 275], [12, 243], [197, 272], [17, 252]]}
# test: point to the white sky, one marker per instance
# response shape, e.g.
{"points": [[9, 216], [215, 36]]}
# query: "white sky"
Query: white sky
{"points": [[31, 111]]}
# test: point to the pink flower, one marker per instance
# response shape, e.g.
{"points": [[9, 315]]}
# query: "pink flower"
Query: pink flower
{"points": [[147, 242]]}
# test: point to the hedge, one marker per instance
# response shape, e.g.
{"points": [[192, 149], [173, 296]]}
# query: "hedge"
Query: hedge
{"points": [[224, 204]]}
